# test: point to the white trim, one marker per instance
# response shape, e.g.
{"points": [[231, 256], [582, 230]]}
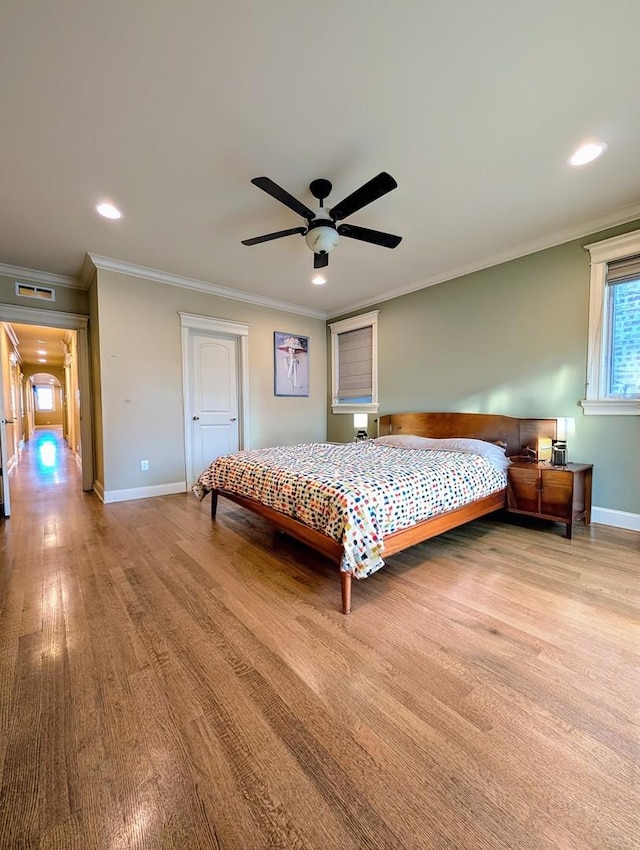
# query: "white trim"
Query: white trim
{"points": [[214, 326], [622, 216], [110, 496], [76, 322], [618, 519], [14, 339], [611, 407], [108, 264], [36, 276], [362, 320], [355, 408], [217, 327], [615, 248], [354, 323], [36, 316], [602, 253]]}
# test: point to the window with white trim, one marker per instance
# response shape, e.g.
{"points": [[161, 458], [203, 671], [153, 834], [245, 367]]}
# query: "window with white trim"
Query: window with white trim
{"points": [[44, 398], [613, 362], [354, 364]]}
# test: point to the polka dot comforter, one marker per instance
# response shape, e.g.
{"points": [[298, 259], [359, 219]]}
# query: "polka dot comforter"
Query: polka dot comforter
{"points": [[357, 492]]}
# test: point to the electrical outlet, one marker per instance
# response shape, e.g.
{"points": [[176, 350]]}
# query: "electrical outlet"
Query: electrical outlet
{"points": [[144, 465]]}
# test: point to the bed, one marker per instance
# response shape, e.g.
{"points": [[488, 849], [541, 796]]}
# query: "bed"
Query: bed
{"points": [[424, 474]]}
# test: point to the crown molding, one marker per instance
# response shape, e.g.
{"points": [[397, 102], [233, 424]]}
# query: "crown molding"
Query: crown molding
{"points": [[560, 237], [615, 248], [36, 276], [112, 265]]}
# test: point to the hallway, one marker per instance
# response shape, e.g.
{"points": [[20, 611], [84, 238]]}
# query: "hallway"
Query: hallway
{"points": [[46, 469]]}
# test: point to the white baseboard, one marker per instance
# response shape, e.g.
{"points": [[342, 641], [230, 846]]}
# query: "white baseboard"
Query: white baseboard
{"points": [[139, 492], [619, 519]]}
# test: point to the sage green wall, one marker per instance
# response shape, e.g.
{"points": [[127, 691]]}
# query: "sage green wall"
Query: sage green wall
{"points": [[68, 299], [511, 339], [140, 364]]}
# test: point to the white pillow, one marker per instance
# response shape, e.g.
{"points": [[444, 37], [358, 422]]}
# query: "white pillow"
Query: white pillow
{"points": [[493, 453], [407, 441]]}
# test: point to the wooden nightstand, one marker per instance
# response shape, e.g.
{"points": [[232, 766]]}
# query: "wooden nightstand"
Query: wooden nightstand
{"points": [[560, 493]]}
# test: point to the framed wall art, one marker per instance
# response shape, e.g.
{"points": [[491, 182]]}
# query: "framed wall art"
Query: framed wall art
{"points": [[290, 364]]}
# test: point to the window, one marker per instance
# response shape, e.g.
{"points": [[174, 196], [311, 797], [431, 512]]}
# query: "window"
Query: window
{"points": [[44, 398], [354, 362], [613, 362]]}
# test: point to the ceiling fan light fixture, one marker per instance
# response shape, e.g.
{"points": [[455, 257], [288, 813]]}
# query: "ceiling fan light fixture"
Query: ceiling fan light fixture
{"points": [[321, 239], [587, 153]]}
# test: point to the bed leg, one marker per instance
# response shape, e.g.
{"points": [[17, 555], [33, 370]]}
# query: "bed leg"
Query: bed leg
{"points": [[214, 503], [345, 581]]}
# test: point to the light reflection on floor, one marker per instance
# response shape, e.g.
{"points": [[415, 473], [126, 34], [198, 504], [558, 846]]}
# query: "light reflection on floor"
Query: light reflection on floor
{"points": [[44, 454]]}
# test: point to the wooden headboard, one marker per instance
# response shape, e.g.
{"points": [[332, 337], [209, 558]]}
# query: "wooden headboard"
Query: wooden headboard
{"points": [[515, 433]]}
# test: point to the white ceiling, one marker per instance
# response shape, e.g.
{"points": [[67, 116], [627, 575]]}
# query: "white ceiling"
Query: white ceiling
{"points": [[169, 109]]}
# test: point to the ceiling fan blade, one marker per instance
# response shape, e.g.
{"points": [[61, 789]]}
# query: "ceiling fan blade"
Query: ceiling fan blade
{"points": [[371, 191], [320, 261], [269, 236], [364, 234], [267, 185]]}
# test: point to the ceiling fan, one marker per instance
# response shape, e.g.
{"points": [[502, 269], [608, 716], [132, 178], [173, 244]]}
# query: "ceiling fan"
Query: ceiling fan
{"points": [[321, 232]]}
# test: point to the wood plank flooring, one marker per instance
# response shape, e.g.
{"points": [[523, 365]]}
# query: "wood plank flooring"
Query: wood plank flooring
{"points": [[169, 682]]}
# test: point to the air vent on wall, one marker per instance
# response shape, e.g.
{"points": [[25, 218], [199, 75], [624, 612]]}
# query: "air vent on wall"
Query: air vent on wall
{"points": [[28, 290]]}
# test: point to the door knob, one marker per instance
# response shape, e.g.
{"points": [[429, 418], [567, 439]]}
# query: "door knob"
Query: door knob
{"points": [[195, 417], [233, 419]]}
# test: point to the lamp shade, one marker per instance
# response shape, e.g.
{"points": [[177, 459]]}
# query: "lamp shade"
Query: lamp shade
{"points": [[565, 427], [360, 420], [322, 238]]}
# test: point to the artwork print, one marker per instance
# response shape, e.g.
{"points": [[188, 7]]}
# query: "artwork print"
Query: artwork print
{"points": [[291, 364]]}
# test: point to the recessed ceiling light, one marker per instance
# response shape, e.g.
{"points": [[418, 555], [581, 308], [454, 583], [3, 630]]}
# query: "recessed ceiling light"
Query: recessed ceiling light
{"points": [[587, 153], [41, 352], [41, 360], [109, 211], [318, 280]]}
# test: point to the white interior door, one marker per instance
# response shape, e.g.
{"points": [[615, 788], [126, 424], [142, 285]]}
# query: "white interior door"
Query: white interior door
{"points": [[213, 399]]}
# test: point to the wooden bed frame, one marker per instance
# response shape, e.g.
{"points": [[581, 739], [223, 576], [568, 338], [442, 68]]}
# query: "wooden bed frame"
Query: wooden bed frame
{"points": [[509, 431]]}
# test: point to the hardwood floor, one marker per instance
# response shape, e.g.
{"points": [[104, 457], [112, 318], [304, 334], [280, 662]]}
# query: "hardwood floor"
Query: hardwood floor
{"points": [[169, 682]]}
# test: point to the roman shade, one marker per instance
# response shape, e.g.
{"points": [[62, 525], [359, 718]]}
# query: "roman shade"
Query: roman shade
{"points": [[355, 365], [624, 270]]}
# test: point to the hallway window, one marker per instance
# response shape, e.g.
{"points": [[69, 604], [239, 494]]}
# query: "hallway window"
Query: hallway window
{"points": [[44, 398]]}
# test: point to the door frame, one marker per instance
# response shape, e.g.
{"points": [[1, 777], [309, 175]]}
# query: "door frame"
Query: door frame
{"points": [[216, 328], [80, 324]]}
